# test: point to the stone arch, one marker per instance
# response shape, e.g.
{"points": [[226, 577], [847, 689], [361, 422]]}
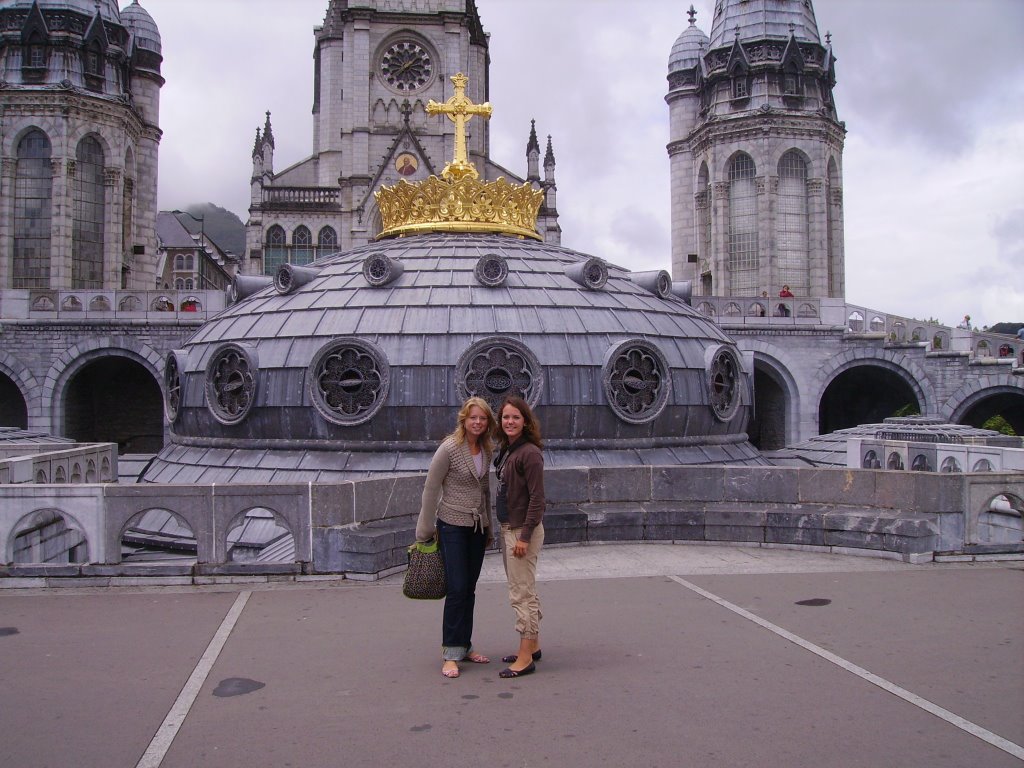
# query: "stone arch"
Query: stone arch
{"points": [[98, 132], [22, 129], [781, 150], [73, 359], [776, 413], [1006, 392], [888, 360], [22, 379], [62, 532], [158, 530], [996, 514], [250, 534]]}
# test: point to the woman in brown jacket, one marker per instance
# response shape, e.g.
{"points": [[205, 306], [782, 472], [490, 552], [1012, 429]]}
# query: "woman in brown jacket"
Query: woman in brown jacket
{"points": [[456, 507], [520, 507]]}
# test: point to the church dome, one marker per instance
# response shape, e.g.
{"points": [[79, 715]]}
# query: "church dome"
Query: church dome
{"points": [[760, 19], [688, 49], [356, 364], [144, 31]]}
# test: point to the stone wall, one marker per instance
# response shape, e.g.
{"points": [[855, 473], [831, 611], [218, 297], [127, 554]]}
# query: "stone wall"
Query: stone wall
{"points": [[361, 529]]}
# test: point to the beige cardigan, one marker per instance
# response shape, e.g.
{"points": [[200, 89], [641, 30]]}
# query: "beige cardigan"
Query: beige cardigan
{"points": [[453, 492]]}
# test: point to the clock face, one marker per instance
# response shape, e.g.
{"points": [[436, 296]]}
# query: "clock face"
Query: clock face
{"points": [[406, 66]]}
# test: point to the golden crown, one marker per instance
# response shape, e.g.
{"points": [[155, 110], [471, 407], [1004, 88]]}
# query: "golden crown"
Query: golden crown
{"points": [[459, 201]]}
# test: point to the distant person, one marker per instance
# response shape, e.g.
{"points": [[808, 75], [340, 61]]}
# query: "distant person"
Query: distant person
{"points": [[520, 508], [456, 508], [785, 293], [1020, 333], [965, 324], [764, 294]]}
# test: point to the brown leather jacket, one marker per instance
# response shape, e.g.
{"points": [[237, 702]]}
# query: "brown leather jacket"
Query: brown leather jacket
{"points": [[523, 474]]}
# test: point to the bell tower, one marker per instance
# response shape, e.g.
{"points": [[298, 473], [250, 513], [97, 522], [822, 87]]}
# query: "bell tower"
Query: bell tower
{"points": [[756, 153]]}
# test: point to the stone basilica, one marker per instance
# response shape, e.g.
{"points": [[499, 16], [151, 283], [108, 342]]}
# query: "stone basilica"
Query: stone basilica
{"points": [[755, 148]]}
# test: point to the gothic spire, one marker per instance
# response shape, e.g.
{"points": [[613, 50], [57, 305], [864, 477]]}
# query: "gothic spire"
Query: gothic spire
{"points": [[268, 135], [549, 156], [256, 149], [533, 145]]}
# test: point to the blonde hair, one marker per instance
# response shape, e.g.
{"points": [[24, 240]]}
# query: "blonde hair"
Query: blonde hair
{"points": [[460, 425]]}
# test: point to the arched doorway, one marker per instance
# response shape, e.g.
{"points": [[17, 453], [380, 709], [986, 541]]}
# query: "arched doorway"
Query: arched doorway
{"points": [[983, 409], [865, 394], [115, 400], [767, 429], [13, 410]]}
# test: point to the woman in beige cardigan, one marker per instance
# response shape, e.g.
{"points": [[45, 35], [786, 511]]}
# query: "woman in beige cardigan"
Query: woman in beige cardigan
{"points": [[456, 509]]}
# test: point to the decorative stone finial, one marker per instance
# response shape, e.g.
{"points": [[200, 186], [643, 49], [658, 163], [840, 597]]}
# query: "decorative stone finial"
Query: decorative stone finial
{"points": [[692, 13]]}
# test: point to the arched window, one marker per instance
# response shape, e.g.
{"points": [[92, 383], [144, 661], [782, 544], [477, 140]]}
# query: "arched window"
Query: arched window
{"points": [[792, 224], [33, 203], [87, 231], [190, 262], [179, 284], [274, 253], [326, 241], [179, 263], [302, 242], [742, 225]]}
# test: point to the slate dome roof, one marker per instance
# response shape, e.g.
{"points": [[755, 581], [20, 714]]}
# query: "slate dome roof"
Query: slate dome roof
{"points": [[141, 25], [356, 365], [687, 49]]}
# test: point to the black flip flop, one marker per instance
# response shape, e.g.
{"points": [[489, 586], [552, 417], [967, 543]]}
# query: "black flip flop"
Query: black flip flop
{"points": [[509, 672], [513, 656]]}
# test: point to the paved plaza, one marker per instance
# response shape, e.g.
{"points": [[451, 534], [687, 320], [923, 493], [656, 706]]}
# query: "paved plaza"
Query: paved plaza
{"points": [[654, 655]]}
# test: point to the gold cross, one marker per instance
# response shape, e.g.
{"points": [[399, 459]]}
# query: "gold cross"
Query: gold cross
{"points": [[459, 110]]}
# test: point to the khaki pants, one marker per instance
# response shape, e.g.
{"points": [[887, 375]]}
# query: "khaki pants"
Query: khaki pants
{"points": [[522, 580]]}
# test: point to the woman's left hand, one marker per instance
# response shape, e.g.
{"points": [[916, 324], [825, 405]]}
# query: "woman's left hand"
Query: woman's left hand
{"points": [[519, 550]]}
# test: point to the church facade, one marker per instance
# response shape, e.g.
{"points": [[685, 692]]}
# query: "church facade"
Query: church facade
{"points": [[377, 65], [79, 136]]}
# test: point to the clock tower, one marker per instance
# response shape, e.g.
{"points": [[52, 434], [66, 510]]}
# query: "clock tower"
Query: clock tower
{"points": [[377, 65]]}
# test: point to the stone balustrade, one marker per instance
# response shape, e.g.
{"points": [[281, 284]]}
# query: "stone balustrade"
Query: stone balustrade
{"points": [[361, 529]]}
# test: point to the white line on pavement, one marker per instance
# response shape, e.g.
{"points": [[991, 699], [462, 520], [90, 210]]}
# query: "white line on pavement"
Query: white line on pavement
{"points": [[972, 728], [165, 734]]}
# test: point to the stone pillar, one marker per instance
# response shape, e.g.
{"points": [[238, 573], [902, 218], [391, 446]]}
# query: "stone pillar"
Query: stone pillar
{"points": [[112, 246], [817, 239], [837, 255], [63, 213], [721, 284], [766, 203], [8, 172]]}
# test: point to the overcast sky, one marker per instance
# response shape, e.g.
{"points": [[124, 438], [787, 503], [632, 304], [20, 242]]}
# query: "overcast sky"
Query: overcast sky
{"points": [[931, 91]]}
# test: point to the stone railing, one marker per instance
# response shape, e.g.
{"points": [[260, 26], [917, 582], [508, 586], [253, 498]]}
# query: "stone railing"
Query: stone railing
{"points": [[89, 306], [68, 463], [301, 197], [753, 312], [361, 529]]}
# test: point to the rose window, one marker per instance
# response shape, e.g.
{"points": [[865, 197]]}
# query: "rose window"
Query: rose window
{"points": [[230, 384], [491, 270], [724, 382], [496, 369], [350, 382], [636, 382]]}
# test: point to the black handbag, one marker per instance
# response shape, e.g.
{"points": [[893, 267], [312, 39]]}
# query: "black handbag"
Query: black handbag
{"points": [[424, 580]]}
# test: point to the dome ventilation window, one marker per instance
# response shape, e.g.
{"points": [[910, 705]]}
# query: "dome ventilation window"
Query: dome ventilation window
{"points": [[724, 382], [231, 383], [657, 281], [636, 381], [244, 286], [172, 383], [591, 274], [379, 269], [349, 382], [497, 367], [290, 278], [491, 270]]}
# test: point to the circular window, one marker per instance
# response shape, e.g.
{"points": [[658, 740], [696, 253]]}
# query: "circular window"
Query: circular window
{"points": [[406, 66], [497, 368], [349, 382], [172, 386], [491, 270], [231, 384], [379, 269], [724, 383], [636, 381]]}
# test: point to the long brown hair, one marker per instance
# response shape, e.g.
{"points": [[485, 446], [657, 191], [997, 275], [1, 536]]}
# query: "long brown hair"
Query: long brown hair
{"points": [[531, 428]]}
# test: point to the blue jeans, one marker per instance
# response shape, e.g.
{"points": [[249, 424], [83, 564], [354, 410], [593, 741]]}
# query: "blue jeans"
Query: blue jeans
{"points": [[463, 551]]}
